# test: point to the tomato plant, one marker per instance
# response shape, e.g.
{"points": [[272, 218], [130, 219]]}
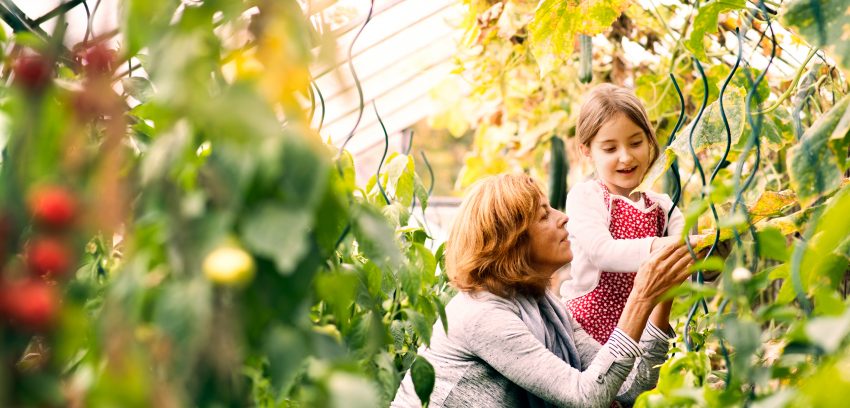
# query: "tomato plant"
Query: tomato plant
{"points": [[175, 231]]}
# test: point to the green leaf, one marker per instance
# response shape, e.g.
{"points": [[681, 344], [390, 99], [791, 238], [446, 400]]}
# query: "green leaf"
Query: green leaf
{"points": [[658, 94], [827, 387], [338, 290], [346, 171], [144, 19], [411, 281], [828, 332], [352, 391], [823, 23], [277, 233], [165, 152], [388, 377], [712, 263], [396, 213], [420, 324], [813, 168], [706, 22], [368, 333], [422, 373], [556, 24], [400, 180], [710, 131], [138, 87], [423, 261], [376, 239], [839, 141], [420, 192], [183, 314], [823, 254], [286, 351], [397, 332], [773, 245]]}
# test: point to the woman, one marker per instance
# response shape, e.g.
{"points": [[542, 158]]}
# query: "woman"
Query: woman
{"points": [[510, 343]]}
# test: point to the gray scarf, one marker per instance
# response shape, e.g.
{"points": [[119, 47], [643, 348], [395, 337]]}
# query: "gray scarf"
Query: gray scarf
{"points": [[546, 318]]}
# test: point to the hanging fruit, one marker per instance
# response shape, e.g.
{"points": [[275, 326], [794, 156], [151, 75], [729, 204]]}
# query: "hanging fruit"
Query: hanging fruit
{"points": [[33, 72], [53, 206], [585, 67], [229, 266], [30, 304], [48, 257]]}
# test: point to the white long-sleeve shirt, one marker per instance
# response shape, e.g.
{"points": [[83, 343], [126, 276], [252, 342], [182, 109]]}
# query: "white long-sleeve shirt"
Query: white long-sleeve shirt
{"points": [[594, 249]]}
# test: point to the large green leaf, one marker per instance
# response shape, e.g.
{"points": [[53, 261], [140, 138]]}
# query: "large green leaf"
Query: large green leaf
{"points": [[422, 373], [286, 350], [556, 24], [706, 22], [399, 175], [144, 19], [376, 239], [827, 247], [839, 141], [338, 290], [823, 23], [710, 131], [183, 314], [813, 168], [278, 233], [352, 391]]}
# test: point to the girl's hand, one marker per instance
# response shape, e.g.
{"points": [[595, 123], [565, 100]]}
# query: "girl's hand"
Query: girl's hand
{"points": [[662, 242], [665, 269]]}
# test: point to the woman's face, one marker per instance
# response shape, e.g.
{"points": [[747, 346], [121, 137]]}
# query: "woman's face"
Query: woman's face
{"points": [[550, 248]]}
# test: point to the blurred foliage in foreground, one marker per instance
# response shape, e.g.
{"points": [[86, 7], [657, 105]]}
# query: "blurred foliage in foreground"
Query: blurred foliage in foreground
{"points": [[177, 235]]}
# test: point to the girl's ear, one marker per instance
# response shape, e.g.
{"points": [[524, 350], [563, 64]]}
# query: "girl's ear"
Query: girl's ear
{"points": [[584, 150]]}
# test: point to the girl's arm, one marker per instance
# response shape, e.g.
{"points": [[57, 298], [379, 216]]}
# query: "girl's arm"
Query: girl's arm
{"points": [[588, 228], [674, 229]]}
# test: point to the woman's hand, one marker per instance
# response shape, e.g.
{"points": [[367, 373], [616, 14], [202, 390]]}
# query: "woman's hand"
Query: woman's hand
{"points": [[665, 269]]}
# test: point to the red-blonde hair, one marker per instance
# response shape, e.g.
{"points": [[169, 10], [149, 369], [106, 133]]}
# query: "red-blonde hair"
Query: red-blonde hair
{"points": [[603, 103], [488, 246]]}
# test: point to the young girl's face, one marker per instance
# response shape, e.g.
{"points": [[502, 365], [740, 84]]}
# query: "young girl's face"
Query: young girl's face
{"points": [[620, 151]]}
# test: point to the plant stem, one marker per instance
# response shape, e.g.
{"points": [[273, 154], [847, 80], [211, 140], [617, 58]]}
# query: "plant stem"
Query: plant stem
{"points": [[785, 95]]}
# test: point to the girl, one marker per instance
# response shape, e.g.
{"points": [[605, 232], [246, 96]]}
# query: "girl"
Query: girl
{"points": [[612, 230]]}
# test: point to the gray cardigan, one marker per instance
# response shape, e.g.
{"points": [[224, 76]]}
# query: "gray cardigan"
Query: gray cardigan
{"points": [[489, 356]]}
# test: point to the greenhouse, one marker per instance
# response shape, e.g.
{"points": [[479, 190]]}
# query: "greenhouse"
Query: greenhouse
{"points": [[408, 203]]}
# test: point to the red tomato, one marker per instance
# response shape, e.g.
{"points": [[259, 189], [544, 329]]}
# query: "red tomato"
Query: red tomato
{"points": [[31, 304], [99, 60], [48, 257], [53, 206], [33, 72]]}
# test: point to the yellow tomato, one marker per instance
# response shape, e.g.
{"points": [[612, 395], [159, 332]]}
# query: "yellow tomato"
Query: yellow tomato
{"points": [[229, 266]]}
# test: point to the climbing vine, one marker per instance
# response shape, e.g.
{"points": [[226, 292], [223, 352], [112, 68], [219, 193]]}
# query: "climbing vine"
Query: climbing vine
{"points": [[749, 99]]}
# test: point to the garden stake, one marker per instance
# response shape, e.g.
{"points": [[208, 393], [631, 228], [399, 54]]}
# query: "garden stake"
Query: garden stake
{"points": [[356, 78], [322, 104], [697, 277], [674, 168], [384, 157]]}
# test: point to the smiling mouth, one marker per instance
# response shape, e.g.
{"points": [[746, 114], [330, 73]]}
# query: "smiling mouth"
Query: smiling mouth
{"points": [[628, 170]]}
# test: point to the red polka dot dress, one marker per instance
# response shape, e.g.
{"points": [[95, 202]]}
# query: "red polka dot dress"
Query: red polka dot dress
{"points": [[599, 311]]}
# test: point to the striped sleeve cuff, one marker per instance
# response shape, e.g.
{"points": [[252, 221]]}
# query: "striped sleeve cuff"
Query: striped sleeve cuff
{"points": [[657, 334], [623, 346]]}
